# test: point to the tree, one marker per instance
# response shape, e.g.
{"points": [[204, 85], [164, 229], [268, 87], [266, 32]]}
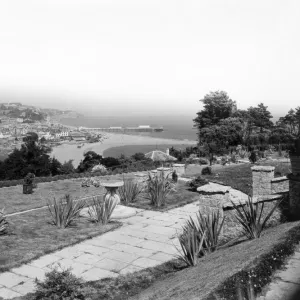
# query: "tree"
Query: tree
{"points": [[260, 117], [31, 136], [110, 162], [55, 167], [32, 157], [138, 156], [291, 121], [67, 167], [216, 106], [91, 159]]}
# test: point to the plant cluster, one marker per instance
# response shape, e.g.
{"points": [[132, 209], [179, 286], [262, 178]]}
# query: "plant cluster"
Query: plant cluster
{"points": [[130, 191], [4, 225], [200, 236], [65, 211], [197, 182], [29, 178], [59, 284], [100, 212], [158, 188]]}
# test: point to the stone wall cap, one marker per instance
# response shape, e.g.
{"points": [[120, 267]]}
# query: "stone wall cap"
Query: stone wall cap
{"points": [[178, 165], [278, 179], [213, 188], [262, 168]]}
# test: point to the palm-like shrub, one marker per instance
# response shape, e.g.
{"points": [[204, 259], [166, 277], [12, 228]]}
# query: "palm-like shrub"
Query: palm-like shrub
{"points": [[130, 191], [65, 211], [211, 225], [100, 212], [159, 187], [191, 246], [3, 223], [250, 217]]}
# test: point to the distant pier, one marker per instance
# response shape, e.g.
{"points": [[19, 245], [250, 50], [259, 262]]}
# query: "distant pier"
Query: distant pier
{"points": [[117, 129]]}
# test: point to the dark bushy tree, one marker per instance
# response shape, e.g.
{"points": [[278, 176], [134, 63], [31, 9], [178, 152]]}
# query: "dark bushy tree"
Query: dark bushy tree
{"points": [[91, 159]]}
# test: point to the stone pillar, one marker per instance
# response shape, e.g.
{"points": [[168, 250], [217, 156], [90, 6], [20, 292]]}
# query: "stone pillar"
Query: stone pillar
{"points": [[179, 168], [262, 180], [294, 201]]}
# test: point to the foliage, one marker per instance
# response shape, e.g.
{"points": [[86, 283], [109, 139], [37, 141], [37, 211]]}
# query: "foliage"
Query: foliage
{"points": [[203, 161], [110, 162], [253, 157], [197, 182], [59, 284], [174, 176], [191, 246], [138, 156], [4, 225], [29, 178], [260, 117], [67, 167], [130, 191], [250, 217], [158, 187], [208, 226], [91, 158], [100, 212], [65, 211], [206, 171]]}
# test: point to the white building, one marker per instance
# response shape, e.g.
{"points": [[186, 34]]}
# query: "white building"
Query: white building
{"points": [[62, 134]]}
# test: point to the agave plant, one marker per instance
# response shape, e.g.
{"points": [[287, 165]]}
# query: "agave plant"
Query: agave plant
{"points": [[250, 217], [158, 188], [65, 211], [212, 224], [100, 212], [191, 246], [3, 223], [130, 191]]}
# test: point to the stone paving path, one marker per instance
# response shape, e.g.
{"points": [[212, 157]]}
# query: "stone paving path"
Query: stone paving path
{"points": [[145, 240], [286, 283]]}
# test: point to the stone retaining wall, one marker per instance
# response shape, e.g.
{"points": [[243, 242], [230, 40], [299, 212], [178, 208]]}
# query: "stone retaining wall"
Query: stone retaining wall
{"points": [[279, 185]]}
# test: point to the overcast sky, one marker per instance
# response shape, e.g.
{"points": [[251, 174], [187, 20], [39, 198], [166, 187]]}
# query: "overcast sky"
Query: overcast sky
{"points": [[149, 57]]}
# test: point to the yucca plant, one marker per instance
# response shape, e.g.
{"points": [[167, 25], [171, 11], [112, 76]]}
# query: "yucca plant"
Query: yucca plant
{"points": [[158, 187], [191, 246], [250, 217], [100, 212], [65, 211], [130, 191], [3, 223], [212, 224]]}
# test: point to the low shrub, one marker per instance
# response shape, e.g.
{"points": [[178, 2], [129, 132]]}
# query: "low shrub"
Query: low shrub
{"points": [[191, 246], [250, 217], [206, 171], [208, 226], [158, 187], [197, 182], [130, 191], [253, 157], [65, 210], [203, 161], [4, 225], [100, 212], [59, 284]]}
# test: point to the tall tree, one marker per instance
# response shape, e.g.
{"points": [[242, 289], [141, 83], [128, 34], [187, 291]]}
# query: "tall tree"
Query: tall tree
{"points": [[216, 106], [260, 117]]}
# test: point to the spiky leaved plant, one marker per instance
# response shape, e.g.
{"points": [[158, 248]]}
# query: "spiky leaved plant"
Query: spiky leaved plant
{"points": [[130, 191], [65, 211], [191, 245], [250, 217], [3, 223], [100, 212], [212, 224], [159, 187]]}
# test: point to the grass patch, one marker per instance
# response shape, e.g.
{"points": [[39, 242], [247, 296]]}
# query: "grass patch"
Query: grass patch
{"points": [[13, 199], [217, 271], [182, 196], [33, 236], [239, 176]]}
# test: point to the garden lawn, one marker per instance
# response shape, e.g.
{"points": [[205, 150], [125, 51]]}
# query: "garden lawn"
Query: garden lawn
{"points": [[13, 199], [172, 281], [239, 176], [33, 236], [182, 196]]}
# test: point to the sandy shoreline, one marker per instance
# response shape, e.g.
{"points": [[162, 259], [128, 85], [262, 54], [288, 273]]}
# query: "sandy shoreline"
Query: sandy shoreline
{"points": [[70, 151]]}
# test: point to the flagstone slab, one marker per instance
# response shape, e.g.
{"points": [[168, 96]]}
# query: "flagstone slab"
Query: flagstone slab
{"points": [[160, 229], [133, 249], [9, 279], [162, 257], [130, 269], [30, 271], [25, 288], [89, 259], [145, 262], [76, 268], [44, 261], [126, 239], [90, 249], [156, 246], [121, 256], [97, 274], [101, 242], [292, 273], [111, 265], [8, 294]]}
